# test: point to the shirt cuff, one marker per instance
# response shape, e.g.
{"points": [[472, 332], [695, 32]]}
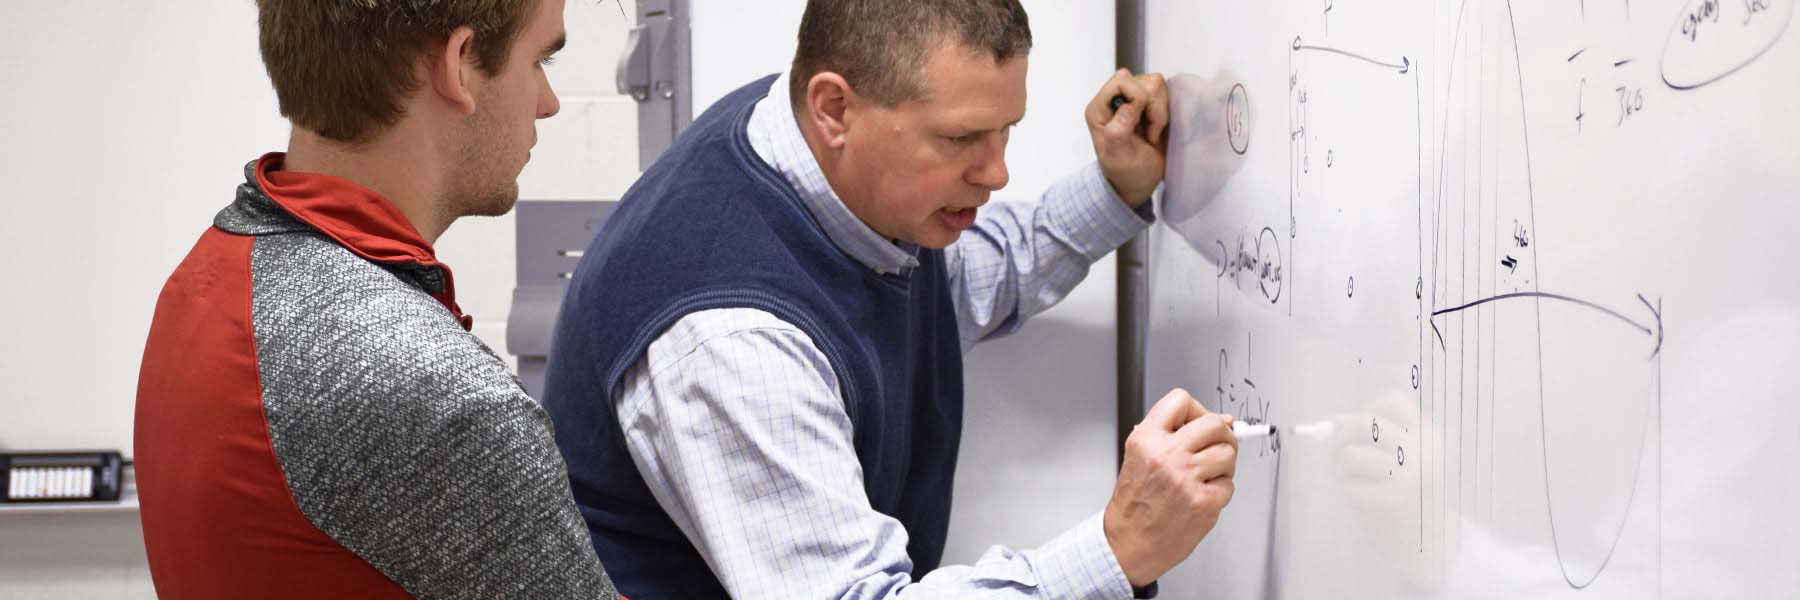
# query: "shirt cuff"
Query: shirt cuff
{"points": [[1079, 564], [1095, 218]]}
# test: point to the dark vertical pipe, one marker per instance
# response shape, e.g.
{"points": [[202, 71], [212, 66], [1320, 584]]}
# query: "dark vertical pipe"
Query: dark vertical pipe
{"points": [[1133, 257]]}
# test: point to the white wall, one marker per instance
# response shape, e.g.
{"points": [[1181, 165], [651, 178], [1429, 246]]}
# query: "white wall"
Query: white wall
{"points": [[124, 126], [1038, 437]]}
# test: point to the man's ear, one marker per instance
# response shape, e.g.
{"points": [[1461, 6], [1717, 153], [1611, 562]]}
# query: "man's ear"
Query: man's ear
{"points": [[828, 101], [452, 70]]}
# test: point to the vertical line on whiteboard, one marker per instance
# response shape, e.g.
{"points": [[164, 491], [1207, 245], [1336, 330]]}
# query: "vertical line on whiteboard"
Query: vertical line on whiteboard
{"points": [[1494, 314], [1490, 225], [1480, 260], [1437, 157], [1440, 273], [1419, 200], [1462, 280]]}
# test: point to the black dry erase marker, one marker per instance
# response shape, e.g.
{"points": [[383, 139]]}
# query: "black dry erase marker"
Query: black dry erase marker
{"points": [[1118, 100]]}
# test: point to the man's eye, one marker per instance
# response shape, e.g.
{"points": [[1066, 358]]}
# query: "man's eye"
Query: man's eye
{"points": [[964, 140], [547, 61]]}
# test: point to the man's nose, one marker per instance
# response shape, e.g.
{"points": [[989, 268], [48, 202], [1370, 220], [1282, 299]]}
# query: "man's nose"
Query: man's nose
{"points": [[549, 104], [991, 174]]}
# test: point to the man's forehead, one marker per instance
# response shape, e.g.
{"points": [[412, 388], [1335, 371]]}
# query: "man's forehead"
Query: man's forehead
{"points": [[548, 19], [970, 81]]}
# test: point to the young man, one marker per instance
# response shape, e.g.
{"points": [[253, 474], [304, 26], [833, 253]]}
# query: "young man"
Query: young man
{"points": [[757, 373], [314, 420]]}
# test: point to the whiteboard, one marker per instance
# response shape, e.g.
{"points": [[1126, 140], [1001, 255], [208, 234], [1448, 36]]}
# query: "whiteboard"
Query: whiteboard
{"points": [[1515, 280]]}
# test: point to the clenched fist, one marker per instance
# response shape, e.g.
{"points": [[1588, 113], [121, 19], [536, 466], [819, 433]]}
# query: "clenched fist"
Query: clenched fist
{"points": [[1176, 477]]}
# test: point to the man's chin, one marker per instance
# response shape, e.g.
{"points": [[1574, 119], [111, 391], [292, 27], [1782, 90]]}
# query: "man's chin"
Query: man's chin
{"points": [[937, 238], [501, 208], [493, 206]]}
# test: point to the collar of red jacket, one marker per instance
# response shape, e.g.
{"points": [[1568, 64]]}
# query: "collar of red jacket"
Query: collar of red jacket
{"points": [[357, 218]]}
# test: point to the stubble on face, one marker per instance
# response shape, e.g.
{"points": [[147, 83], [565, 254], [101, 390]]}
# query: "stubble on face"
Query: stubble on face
{"points": [[485, 178]]}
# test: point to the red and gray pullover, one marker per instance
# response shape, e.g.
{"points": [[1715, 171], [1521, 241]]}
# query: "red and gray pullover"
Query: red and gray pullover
{"points": [[314, 419]]}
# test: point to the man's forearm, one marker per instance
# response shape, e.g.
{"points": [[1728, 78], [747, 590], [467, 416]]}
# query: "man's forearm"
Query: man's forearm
{"points": [[1021, 258]]}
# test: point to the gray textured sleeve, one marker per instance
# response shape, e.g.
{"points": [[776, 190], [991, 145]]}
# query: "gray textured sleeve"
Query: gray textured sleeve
{"points": [[408, 441]]}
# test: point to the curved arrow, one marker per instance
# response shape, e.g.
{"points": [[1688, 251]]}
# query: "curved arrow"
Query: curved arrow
{"points": [[1655, 333], [1403, 67]]}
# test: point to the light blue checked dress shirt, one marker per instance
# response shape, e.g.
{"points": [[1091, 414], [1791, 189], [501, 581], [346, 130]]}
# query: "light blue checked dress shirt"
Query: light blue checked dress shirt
{"points": [[734, 417]]}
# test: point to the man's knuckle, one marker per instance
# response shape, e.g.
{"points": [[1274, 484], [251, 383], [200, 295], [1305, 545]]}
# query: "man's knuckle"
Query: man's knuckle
{"points": [[1201, 502], [1153, 456]]}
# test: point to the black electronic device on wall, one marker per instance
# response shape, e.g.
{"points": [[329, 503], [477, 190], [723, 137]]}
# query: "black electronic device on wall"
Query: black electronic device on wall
{"points": [[61, 476]]}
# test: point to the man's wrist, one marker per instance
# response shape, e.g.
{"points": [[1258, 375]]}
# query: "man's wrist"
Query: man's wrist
{"points": [[1124, 552], [1132, 198], [1080, 563]]}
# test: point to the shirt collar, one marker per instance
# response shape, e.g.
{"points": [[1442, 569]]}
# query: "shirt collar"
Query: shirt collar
{"points": [[359, 219], [776, 138]]}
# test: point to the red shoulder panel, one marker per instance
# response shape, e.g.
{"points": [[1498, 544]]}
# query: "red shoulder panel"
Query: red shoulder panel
{"points": [[219, 521]]}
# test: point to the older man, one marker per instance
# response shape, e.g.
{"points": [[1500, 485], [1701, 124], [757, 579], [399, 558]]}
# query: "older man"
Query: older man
{"points": [[757, 373]]}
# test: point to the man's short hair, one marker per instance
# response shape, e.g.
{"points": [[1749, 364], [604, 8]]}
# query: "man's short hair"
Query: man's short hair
{"points": [[342, 67], [880, 46]]}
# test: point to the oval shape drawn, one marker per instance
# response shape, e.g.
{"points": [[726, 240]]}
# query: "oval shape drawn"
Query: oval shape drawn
{"points": [[1712, 39]]}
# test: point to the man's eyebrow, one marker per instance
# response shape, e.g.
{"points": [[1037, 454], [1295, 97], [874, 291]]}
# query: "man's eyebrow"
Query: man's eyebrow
{"points": [[1003, 128], [1011, 125], [557, 45]]}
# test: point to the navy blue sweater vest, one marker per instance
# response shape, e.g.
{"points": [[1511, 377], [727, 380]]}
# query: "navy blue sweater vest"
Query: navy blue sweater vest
{"points": [[712, 226]]}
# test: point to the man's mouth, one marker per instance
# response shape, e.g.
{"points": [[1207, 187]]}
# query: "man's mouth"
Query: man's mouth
{"points": [[958, 219]]}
